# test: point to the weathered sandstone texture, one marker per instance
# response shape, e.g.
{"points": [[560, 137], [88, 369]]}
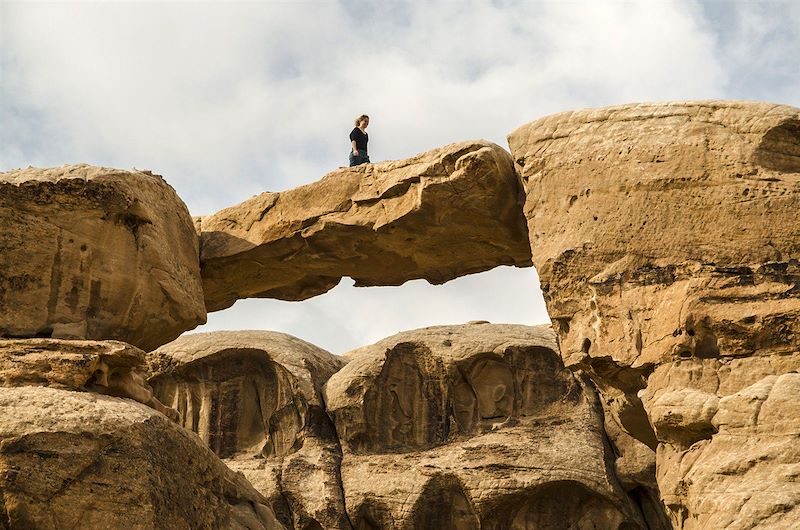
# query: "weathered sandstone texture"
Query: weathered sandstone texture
{"points": [[474, 426], [667, 241], [96, 253], [439, 215], [730, 441], [255, 398], [108, 367], [83, 460]]}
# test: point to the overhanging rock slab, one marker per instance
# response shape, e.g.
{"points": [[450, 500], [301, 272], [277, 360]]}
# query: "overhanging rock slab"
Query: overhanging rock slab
{"points": [[442, 214]]}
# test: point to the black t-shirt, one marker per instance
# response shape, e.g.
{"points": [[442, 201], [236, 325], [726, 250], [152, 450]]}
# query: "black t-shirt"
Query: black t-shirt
{"points": [[361, 138]]}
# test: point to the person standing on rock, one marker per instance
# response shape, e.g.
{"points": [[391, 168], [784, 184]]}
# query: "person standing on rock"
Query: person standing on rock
{"points": [[358, 141]]}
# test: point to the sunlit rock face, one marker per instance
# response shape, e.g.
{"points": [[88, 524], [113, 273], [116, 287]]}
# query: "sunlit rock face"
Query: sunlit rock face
{"points": [[439, 215], [254, 398], [96, 253], [474, 426], [82, 460], [668, 246]]}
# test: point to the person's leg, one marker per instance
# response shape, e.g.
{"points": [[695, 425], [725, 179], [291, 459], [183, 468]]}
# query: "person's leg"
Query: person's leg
{"points": [[354, 160]]}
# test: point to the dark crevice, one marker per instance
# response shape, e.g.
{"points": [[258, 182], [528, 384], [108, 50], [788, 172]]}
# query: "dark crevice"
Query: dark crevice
{"points": [[779, 149]]}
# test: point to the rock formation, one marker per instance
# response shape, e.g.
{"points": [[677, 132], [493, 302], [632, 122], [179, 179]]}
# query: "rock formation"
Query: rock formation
{"points": [[108, 367], [439, 215], [96, 253], [83, 460], [667, 242], [730, 433], [476, 426], [73, 458], [255, 398]]}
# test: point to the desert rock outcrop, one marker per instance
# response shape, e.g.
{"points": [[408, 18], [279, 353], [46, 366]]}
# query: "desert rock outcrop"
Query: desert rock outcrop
{"points": [[106, 367], [475, 426], [96, 253], [83, 460], [668, 246], [667, 242], [255, 398], [439, 215]]}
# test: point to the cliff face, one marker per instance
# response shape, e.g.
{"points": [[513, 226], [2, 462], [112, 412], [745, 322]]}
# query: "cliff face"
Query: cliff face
{"points": [[668, 245], [254, 397], [79, 448]]}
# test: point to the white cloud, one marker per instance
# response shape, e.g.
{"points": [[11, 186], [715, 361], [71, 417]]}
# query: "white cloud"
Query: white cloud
{"points": [[759, 44], [262, 94], [230, 99]]}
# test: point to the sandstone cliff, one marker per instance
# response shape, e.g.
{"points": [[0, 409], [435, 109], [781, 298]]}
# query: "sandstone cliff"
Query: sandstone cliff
{"points": [[667, 240], [475, 426], [72, 458]]}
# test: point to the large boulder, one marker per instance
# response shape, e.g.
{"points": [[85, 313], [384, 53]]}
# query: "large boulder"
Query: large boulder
{"points": [[667, 243], [96, 253], [439, 215], [106, 367], [474, 426], [255, 398], [83, 460]]}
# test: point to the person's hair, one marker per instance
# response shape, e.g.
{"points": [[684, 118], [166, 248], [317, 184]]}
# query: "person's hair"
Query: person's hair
{"points": [[361, 118]]}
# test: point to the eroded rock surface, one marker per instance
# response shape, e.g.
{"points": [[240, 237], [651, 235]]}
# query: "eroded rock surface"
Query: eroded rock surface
{"points": [[474, 426], [666, 230], [255, 398], [746, 474], [108, 367], [668, 247], [83, 460], [439, 215], [730, 440], [96, 253]]}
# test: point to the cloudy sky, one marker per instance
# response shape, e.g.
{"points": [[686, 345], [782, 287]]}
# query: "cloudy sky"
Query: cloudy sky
{"points": [[229, 99]]}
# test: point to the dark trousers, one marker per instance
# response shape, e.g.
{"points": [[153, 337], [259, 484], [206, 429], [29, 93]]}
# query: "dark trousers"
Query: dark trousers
{"points": [[360, 158]]}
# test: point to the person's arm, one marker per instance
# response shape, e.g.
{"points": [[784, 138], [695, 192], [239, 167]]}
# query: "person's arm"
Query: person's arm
{"points": [[353, 138]]}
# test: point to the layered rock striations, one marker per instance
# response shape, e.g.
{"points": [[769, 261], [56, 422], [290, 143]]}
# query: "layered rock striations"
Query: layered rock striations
{"points": [[96, 253], [667, 242], [255, 398], [475, 426], [439, 215]]}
